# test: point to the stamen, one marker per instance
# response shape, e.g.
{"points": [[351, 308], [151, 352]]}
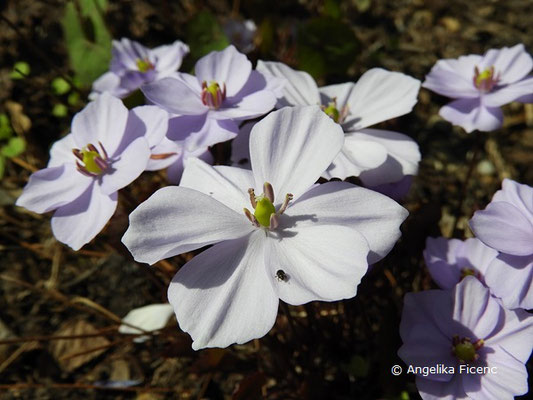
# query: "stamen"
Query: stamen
{"points": [[268, 191], [288, 198], [252, 198], [251, 217], [465, 350], [486, 79], [274, 221], [144, 65], [161, 156], [103, 150], [213, 95], [78, 154], [92, 162]]}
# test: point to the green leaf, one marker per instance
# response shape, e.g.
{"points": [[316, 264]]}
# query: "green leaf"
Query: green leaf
{"points": [[5, 127], [73, 99], [60, 86], [2, 166], [87, 39], [14, 147], [326, 45], [204, 34], [59, 110], [21, 69]]}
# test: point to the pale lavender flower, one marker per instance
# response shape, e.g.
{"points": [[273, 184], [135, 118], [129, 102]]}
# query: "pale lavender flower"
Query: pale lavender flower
{"points": [[450, 260], [297, 241], [465, 328], [506, 225], [225, 90], [133, 65], [377, 157], [480, 85], [107, 149]]}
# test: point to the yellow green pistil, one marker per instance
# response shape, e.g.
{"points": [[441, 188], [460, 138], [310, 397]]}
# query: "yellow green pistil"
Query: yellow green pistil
{"points": [[213, 95], [263, 210], [485, 80], [331, 110], [94, 162], [265, 214], [465, 350], [468, 272], [144, 65], [88, 159]]}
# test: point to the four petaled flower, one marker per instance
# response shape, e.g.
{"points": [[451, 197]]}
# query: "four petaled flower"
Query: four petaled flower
{"points": [[321, 237], [481, 85]]}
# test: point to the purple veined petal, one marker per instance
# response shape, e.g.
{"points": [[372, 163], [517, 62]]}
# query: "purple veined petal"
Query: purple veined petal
{"points": [[228, 185], [256, 82], [433, 390], [224, 295], [509, 379], [475, 308], [174, 96], [510, 63], [227, 67], [212, 132], [108, 83], [292, 147], [470, 114], [240, 147], [321, 262], [440, 256], [395, 190], [175, 170], [251, 106], [514, 334], [150, 122], [127, 167], [175, 220], [132, 80], [169, 57], [426, 331], [511, 279], [164, 154], [519, 195], [454, 77], [509, 93], [403, 156], [102, 120], [374, 215], [54, 187], [300, 88], [61, 151], [355, 157], [380, 95], [182, 127], [126, 52], [78, 222], [505, 228]]}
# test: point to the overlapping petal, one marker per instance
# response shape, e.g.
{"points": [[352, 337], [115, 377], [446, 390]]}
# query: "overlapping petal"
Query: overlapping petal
{"points": [[224, 295], [175, 220], [292, 147], [510, 63], [470, 114], [174, 96]]}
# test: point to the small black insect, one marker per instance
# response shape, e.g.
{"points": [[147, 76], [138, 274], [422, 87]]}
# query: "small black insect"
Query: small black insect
{"points": [[281, 275]]}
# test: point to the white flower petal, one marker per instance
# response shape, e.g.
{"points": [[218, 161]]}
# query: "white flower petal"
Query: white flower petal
{"points": [[300, 88], [228, 185], [175, 220], [321, 262], [61, 152], [148, 318], [292, 147], [380, 95], [375, 216], [224, 295]]}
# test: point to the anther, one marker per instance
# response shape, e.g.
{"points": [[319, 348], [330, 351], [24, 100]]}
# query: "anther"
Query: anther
{"points": [[288, 198], [251, 217], [252, 198], [274, 221], [162, 156], [268, 191]]}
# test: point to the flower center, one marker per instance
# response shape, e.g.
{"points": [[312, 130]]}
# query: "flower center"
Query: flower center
{"points": [[144, 65], [465, 350], [485, 80], [93, 163], [265, 214], [333, 112], [468, 272], [213, 95]]}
